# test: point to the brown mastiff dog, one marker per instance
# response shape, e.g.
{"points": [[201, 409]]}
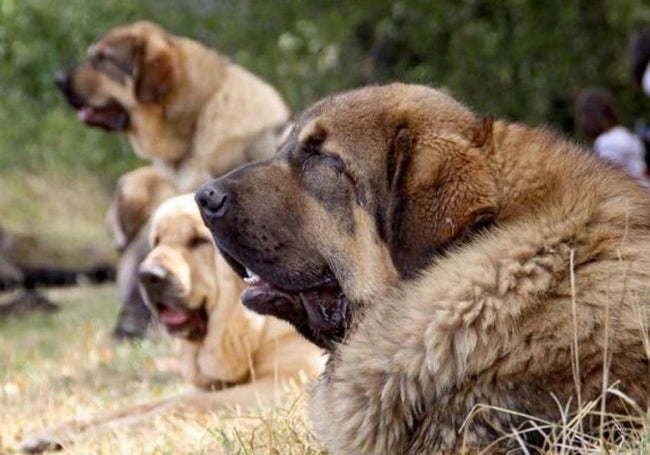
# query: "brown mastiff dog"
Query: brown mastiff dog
{"points": [[189, 110], [137, 194], [446, 261], [233, 356]]}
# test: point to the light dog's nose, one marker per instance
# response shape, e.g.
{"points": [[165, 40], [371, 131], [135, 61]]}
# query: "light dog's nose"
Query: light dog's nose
{"points": [[212, 201], [152, 276]]}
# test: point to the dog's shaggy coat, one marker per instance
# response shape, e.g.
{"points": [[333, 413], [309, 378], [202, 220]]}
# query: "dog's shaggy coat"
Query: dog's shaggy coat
{"points": [[183, 106], [137, 194], [472, 255]]}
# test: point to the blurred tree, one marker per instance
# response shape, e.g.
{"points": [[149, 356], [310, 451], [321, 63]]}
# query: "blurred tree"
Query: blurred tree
{"points": [[516, 58]]}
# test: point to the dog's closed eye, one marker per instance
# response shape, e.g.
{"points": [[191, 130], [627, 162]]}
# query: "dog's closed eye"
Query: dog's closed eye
{"points": [[196, 242]]}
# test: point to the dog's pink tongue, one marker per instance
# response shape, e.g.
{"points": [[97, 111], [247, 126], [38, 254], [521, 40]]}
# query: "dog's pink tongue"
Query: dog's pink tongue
{"points": [[85, 113], [173, 317]]}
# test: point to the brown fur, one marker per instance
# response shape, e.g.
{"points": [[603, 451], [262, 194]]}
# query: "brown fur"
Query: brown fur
{"points": [[137, 194], [191, 111], [243, 360], [453, 239]]}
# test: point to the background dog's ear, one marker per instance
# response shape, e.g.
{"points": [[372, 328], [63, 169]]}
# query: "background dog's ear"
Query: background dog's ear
{"points": [[127, 214], [436, 201], [137, 195], [156, 72]]}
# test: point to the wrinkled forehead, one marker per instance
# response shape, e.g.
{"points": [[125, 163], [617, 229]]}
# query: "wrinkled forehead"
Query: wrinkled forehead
{"points": [[331, 115], [108, 41], [125, 36], [180, 217], [385, 108], [178, 226]]}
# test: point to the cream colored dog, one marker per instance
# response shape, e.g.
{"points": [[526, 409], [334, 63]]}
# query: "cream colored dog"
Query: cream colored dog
{"points": [[137, 194], [233, 356]]}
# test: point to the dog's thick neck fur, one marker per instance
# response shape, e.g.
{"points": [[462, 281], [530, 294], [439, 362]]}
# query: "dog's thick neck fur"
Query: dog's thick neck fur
{"points": [[490, 324]]}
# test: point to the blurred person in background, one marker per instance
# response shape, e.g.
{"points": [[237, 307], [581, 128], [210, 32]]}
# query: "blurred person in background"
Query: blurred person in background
{"points": [[596, 118], [640, 69]]}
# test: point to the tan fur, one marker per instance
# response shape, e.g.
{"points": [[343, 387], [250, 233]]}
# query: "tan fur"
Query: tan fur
{"points": [[492, 323], [193, 112], [244, 360], [454, 238], [137, 194]]}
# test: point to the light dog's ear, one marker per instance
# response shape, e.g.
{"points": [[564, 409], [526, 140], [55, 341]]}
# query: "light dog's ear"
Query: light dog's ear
{"points": [[441, 191], [156, 72]]}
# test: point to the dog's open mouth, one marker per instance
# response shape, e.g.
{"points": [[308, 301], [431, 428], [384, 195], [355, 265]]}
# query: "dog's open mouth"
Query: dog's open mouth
{"points": [[320, 313], [111, 117], [191, 324]]}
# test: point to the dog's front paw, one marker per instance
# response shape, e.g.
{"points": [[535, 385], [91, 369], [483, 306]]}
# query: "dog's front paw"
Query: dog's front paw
{"points": [[40, 442]]}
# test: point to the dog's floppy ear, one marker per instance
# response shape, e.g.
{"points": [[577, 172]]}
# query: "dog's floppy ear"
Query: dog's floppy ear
{"points": [[440, 194], [136, 196], [127, 214], [156, 72]]}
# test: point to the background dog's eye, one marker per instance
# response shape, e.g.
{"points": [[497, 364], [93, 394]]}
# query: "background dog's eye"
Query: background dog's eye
{"points": [[196, 242], [156, 241]]}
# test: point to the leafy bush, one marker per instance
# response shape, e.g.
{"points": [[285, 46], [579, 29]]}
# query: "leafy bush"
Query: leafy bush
{"points": [[517, 58]]}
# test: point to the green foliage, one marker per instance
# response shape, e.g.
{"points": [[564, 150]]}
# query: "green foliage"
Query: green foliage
{"points": [[516, 58]]}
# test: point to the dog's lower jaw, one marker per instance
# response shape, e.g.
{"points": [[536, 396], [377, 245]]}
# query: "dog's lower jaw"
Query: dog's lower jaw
{"points": [[323, 316]]}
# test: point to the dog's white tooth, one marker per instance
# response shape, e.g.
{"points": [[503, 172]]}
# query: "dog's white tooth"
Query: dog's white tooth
{"points": [[250, 273], [253, 280]]}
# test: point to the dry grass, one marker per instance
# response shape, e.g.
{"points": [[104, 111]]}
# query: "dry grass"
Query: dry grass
{"points": [[57, 367], [62, 366], [622, 434]]}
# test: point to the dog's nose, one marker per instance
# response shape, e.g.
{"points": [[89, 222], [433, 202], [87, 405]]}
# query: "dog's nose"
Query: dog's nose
{"points": [[152, 276], [62, 81], [212, 201]]}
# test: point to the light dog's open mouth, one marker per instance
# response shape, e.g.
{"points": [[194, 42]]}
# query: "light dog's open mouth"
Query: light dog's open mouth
{"points": [[320, 312], [191, 324]]}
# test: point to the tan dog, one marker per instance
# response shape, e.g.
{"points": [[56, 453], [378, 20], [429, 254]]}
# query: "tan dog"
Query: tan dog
{"points": [[234, 356], [137, 194], [191, 111], [447, 261]]}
